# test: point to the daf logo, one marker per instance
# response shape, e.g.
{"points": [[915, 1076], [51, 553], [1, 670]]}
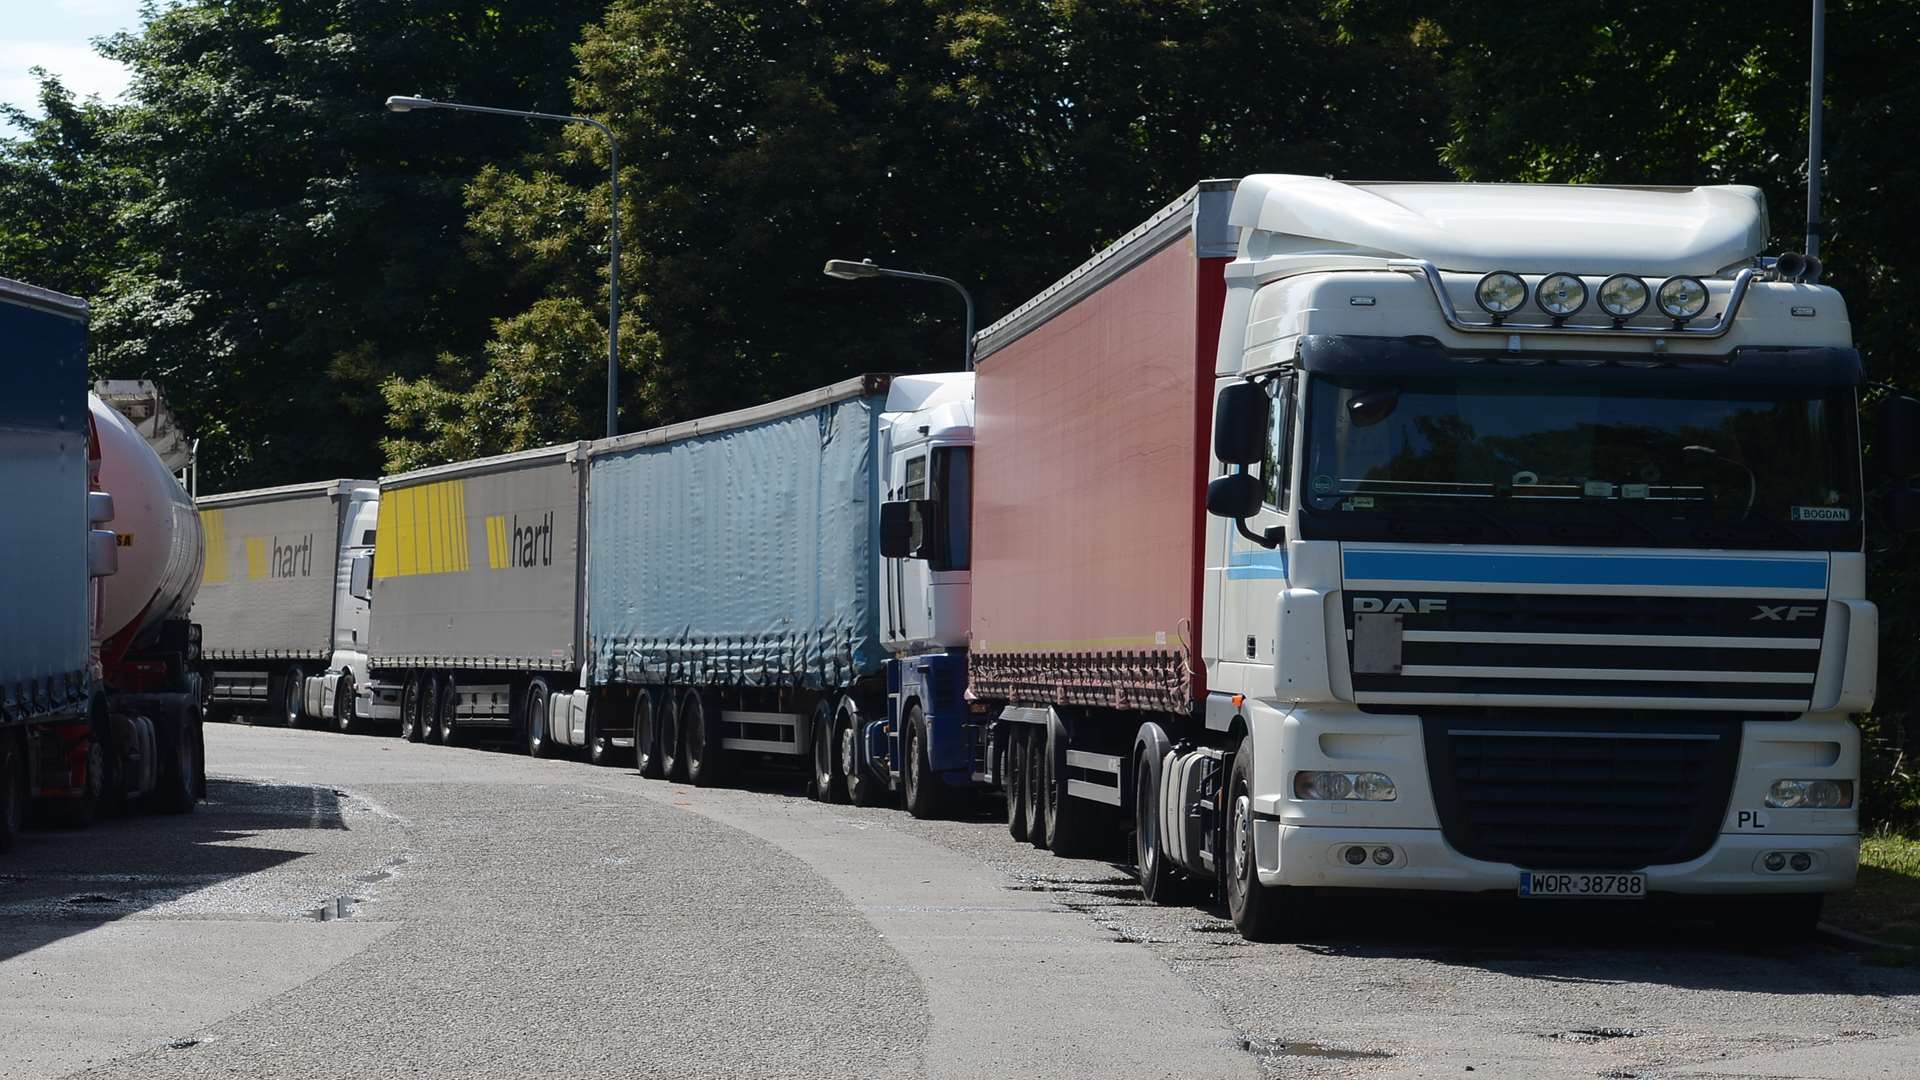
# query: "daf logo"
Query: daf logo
{"points": [[1784, 613], [1398, 605]]}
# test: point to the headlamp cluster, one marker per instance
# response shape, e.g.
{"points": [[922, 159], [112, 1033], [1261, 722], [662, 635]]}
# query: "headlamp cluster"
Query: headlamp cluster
{"points": [[1621, 296]]}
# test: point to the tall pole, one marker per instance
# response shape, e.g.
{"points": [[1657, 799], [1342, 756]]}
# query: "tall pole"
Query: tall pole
{"points": [[1813, 126], [409, 104], [848, 270]]}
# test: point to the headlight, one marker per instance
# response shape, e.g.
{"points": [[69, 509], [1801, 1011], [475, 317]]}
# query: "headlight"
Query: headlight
{"points": [[1500, 293], [1561, 295], [1336, 786], [1623, 296], [1682, 298], [1810, 795]]}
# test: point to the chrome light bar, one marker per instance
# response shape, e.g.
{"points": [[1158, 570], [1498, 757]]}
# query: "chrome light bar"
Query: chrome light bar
{"points": [[1713, 328]]}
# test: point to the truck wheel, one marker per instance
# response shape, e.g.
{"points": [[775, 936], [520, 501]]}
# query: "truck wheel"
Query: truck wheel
{"points": [[829, 785], [699, 728], [410, 709], [449, 701], [646, 735], [533, 718], [862, 788], [925, 791], [1013, 780], [1260, 912], [179, 775], [1070, 821], [427, 706], [1767, 922], [1159, 881], [673, 740], [293, 696], [344, 706], [13, 788], [1036, 800]]}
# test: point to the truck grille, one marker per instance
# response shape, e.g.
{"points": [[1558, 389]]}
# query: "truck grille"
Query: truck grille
{"points": [[1597, 651], [1595, 791]]}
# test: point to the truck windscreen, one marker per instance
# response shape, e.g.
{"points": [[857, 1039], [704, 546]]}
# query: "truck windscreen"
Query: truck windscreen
{"points": [[1531, 460]]}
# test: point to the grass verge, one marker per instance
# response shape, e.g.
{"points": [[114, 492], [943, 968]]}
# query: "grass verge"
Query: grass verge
{"points": [[1886, 902]]}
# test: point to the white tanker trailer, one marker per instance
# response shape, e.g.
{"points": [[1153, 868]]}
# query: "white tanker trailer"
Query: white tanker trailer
{"points": [[99, 701]]}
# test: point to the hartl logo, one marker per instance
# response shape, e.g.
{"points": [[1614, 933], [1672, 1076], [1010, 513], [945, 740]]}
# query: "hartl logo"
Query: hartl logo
{"points": [[511, 542], [292, 560]]}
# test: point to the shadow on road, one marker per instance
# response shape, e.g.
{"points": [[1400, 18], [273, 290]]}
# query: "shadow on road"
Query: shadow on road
{"points": [[61, 882]]}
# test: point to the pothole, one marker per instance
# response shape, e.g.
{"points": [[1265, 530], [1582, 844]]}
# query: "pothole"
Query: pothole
{"points": [[183, 1044], [86, 899], [1596, 1034], [1272, 1048]]}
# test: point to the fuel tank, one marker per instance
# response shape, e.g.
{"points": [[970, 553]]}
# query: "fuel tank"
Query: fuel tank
{"points": [[161, 547]]}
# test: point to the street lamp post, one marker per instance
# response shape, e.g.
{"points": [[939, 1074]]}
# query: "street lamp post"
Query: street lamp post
{"points": [[409, 104], [848, 270]]}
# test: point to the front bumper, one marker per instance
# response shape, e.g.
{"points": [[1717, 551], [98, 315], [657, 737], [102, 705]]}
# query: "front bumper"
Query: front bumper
{"points": [[1311, 857], [1301, 842]]}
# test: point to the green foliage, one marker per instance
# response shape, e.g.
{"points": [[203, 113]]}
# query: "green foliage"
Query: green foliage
{"points": [[64, 191], [994, 141]]}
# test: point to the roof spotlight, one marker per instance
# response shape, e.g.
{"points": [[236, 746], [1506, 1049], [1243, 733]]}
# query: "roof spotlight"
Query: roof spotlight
{"points": [[1500, 293], [1682, 298], [1623, 296], [1560, 295]]}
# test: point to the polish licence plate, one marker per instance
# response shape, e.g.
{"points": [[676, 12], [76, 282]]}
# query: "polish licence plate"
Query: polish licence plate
{"points": [[1581, 885]]}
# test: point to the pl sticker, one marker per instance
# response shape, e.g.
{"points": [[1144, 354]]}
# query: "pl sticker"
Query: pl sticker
{"points": [[1821, 513], [1323, 484]]}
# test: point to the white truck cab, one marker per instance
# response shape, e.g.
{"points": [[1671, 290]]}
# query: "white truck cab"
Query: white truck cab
{"points": [[1542, 570]]}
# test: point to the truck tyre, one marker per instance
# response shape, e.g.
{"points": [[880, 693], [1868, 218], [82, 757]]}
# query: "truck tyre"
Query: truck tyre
{"points": [[1013, 780], [829, 783], [673, 741], [13, 787], [98, 788], [646, 735], [700, 735], [180, 769], [1036, 800], [1260, 912], [410, 709], [862, 788], [926, 793], [1070, 821], [1159, 881], [449, 701], [293, 697], [344, 706], [427, 706], [533, 718], [1768, 922]]}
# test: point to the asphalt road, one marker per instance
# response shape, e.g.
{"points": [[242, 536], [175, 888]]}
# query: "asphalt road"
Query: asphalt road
{"points": [[358, 906]]}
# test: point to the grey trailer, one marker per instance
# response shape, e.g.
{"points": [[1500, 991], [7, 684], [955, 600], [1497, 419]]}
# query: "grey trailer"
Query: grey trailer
{"points": [[477, 597], [733, 582], [274, 605]]}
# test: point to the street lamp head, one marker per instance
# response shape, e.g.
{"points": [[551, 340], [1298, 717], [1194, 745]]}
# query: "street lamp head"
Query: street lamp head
{"points": [[408, 104], [848, 270]]}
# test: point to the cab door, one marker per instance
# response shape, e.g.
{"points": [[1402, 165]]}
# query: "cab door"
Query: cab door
{"points": [[1253, 572]]}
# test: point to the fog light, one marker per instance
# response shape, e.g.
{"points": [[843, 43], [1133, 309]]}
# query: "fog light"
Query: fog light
{"points": [[1810, 795], [1682, 298], [1801, 862], [1561, 295], [1356, 855], [1500, 293], [1774, 861], [1383, 856], [1623, 296]]}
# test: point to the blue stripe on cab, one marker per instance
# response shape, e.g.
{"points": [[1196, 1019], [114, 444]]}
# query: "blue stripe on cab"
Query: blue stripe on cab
{"points": [[1585, 569], [1256, 564]]}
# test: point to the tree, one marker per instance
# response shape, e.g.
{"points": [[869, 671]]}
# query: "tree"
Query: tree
{"points": [[997, 141], [63, 192], [293, 245]]}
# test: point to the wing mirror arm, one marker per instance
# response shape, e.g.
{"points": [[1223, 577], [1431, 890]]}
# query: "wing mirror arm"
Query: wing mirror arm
{"points": [[1272, 537]]}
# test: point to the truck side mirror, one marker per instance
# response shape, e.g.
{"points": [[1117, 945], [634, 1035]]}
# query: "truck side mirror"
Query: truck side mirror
{"points": [[360, 580], [896, 530], [1897, 426], [1240, 418], [1236, 495]]}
